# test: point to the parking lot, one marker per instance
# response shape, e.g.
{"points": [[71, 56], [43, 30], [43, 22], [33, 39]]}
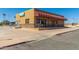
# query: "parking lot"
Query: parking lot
{"points": [[11, 37], [66, 41]]}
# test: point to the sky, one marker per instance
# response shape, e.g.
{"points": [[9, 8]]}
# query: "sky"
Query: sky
{"points": [[72, 14]]}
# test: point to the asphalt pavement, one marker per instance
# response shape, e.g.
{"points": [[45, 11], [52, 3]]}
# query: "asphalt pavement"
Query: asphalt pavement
{"points": [[65, 41]]}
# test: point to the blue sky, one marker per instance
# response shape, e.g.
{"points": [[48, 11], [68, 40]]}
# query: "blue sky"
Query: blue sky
{"points": [[71, 13]]}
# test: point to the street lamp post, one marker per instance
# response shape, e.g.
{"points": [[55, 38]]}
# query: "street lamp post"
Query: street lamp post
{"points": [[4, 15]]}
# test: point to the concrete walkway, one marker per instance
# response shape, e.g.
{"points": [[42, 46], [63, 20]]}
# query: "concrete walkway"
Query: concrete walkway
{"points": [[10, 36]]}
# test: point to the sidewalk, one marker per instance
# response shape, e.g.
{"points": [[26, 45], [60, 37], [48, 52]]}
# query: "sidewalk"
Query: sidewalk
{"points": [[11, 37]]}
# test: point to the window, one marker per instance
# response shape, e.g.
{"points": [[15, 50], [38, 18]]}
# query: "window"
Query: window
{"points": [[27, 21]]}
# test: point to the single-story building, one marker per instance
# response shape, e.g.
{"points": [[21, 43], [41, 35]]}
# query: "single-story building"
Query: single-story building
{"points": [[35, 18]]}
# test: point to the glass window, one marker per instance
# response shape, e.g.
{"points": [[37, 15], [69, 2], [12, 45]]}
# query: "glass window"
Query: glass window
{"points": [[26, 21]]}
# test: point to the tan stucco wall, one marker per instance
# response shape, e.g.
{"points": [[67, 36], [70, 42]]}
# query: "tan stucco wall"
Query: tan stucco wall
{"points": [[29, 14]]}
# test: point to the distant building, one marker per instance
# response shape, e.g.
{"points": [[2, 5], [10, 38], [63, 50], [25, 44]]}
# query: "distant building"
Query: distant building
{"points": [[71, 24], [36, 18]]}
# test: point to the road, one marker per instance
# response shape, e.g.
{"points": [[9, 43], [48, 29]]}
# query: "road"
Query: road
{"points": [[66, 41]]}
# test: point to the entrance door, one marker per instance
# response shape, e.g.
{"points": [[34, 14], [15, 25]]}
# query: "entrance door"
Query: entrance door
{"points": [[43, 23]]}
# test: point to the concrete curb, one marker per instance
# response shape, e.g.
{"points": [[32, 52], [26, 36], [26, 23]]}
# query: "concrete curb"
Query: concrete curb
{"points": [[54, 35], [66, 32], [16, 44]]}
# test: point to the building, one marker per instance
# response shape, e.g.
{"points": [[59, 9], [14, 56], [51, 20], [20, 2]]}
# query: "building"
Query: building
{"points": [[71, 24], [35, 18]]}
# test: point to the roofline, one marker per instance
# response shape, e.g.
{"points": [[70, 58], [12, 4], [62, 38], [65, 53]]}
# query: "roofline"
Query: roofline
{"points": [[44, 11], [48, 12]]}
